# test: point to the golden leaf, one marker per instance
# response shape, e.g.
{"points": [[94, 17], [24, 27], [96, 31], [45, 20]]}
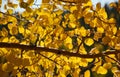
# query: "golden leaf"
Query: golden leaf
{"points": [[72, 18], [10, 4], [87, 73], [21, 29], [73, 8], [5, 39], [0, 3], [30, 2], [89, 41], [88, 17], [7, 67], [68, 40], [25, 14], [106, 39], [10, 11], [72, 25], [23, 5], [25, 62], [101, 70], [83, 31], [89, 3], [112, 20], [98, 6], [100, 30], [102, 13], [28, 9], [4, 32], [76, 73], [114, 69], [1, 15], [114, 29], [94, 51], [14, 31], [45, 1], [107, 65], [113, 4]]}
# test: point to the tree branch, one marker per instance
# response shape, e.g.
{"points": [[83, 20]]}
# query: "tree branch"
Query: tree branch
{"points": [[56, 51]]}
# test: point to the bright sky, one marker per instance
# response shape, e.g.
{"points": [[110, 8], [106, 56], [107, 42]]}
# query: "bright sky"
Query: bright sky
{"points": [[39, 2], [103, 1]]}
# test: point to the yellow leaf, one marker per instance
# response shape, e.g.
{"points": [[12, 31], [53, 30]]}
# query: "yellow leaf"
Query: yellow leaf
{"points": [[66, 67], [45, 1], [114, 69], [25, 62], [1, 15], [73, 8], [30, 2], [69, 45], [0, 3], [7, 67], [102, 13], [4, 32], [33, 38], [112, 4], [76, 72], [117, 73], [68, 40], [25, 14], [13, 39], [82, 49], [98, 6], [72, 25], [58, 12], [14, 31], [89, 41], [106, 39], [4, 50], [88, 17], [87, 73], [112, 20], [102, 70], [100, 30], [114, 29], [107, 65], [21, 29], [89, 3], [5, 39], [83, 31], [10, 11], [83, 62], [42, 43], [28, 9], [72, 17], [23, 5], [10, 4], [94, 51], [117, 46]]}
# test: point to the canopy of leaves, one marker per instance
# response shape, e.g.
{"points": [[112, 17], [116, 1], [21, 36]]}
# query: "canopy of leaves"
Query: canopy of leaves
{"points": [[60, 38]]}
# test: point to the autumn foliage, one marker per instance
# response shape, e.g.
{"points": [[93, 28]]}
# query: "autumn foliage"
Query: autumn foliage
{"points": [[59, 38]]}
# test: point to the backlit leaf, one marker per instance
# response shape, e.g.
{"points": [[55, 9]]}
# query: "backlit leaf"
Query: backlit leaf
{"points": [[89, 41], [98, 6], [87, 73], [100, 30], [103, 13], [101, 70]]}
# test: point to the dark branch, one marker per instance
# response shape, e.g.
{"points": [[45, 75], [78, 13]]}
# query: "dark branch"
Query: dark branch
{"points": [[56, 51]]}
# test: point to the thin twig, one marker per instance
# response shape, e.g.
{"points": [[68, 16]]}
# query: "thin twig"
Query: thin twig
{"points": [[50, 59], [113, 59]]}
